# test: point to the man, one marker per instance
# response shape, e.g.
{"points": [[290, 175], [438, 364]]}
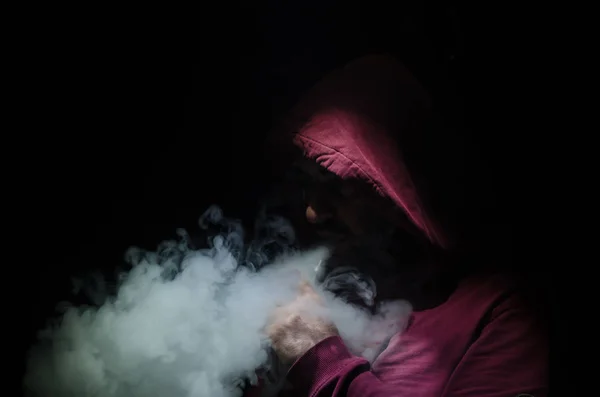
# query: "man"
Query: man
{"points": [[385, 192]]}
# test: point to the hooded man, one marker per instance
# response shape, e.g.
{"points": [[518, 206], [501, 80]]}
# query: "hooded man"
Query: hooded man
{"points": [[383, 187]]}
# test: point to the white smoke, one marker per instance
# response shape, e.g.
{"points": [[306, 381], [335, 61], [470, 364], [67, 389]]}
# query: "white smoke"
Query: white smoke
{"points": [[188, 325]]}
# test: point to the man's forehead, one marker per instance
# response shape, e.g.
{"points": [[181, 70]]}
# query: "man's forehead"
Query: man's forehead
{"points": [[312, 172], [312, 169]]}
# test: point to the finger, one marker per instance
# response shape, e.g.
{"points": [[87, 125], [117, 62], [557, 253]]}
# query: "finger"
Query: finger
{"points": [[304, 287], [307, 291]]}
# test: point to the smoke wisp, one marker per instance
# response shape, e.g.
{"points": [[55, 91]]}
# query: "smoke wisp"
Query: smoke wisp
{"points": [[188, 322]]}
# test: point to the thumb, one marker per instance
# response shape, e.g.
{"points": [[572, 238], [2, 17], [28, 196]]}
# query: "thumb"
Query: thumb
{"points": [[307, 290]]}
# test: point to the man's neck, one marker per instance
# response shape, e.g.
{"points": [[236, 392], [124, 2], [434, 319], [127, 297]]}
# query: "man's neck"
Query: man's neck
{"points": [[435, 291]]}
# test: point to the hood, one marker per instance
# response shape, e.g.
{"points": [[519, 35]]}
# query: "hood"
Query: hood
{"points": [[371, 120]]}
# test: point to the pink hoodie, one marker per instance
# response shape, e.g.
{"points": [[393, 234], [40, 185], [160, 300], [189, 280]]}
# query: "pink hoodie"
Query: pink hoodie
{"points": [[368, 120]]}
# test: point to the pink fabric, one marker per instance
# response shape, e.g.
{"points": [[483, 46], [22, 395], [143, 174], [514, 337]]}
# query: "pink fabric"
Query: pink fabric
{"points": [[478, 343], [367, 121], [353, 123]]}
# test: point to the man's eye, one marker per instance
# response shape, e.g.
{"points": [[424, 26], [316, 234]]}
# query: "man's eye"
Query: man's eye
{"points": [[346, 191], [294, 173]]}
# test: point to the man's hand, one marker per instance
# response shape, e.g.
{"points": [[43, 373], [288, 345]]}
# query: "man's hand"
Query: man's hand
{"points": [[295, 327]]}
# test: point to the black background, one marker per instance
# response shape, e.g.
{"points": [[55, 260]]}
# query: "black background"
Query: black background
{"points": [[136, 130]]}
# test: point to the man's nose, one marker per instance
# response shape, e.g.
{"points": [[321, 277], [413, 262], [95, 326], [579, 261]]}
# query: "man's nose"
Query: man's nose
{"points": [[313, 216]]}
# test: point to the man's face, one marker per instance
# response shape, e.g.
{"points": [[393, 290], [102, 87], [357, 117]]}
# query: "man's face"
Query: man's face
{"points": [[335, 209], [364, 230]]}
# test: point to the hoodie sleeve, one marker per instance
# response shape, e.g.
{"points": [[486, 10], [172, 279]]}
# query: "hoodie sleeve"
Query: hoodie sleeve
{"points": [[509, 357], [330, 370]]}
